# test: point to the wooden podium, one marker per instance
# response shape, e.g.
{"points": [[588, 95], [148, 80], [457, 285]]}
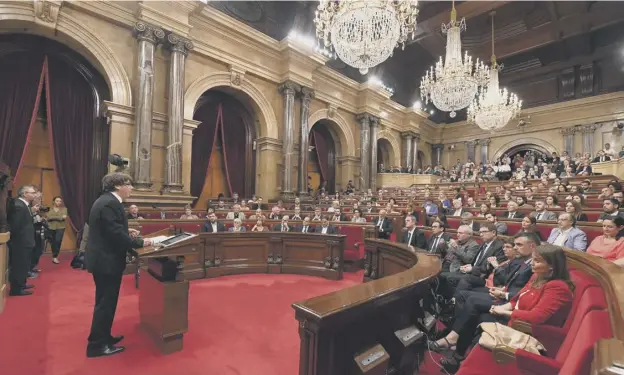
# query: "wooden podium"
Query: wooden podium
{"points": [[163, 296]]}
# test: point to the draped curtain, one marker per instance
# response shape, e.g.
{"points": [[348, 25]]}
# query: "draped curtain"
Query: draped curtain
{"points": [[70, 116], [234, 141], [21, 82], [204, 139], [322, 153]]}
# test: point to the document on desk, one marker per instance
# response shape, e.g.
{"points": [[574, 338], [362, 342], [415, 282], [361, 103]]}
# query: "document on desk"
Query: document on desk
{"points": [[158, 239]]}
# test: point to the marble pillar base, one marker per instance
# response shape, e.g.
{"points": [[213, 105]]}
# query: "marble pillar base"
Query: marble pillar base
{"points": [[173, 189]]}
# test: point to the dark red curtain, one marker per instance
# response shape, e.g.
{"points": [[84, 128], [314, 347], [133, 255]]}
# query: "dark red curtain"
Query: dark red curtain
{"points": [[70, 104], [204, 139], [322, 152], [233, 139], [21, 82]]}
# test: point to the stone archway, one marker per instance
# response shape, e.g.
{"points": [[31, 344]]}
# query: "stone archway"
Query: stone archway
{"points": [[523, 144], [341, 129], [261, 105], [394, 151], [20, 16]]}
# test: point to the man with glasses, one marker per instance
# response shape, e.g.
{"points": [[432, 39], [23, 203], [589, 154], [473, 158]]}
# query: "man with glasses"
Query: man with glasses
{"points": [[437, 243], [460, 252], [567, 235], [22, 241], [413, 236]]}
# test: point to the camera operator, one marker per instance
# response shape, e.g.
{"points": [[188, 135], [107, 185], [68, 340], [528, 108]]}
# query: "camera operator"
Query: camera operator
{"points": [[41, 228]]}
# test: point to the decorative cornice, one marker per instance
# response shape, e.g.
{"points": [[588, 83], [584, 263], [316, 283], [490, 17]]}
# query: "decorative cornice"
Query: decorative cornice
{"points": [[179, 44], [569, 130], [148, 33], [46, 12]]}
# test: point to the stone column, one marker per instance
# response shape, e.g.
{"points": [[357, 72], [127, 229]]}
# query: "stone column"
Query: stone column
{"points": [[415, 140], [173, 163], [304, 140], [374, 123], [484, 149], [470, 150], [436, 151], [588, 138], [149, 36], [408, 156], [568, 139], [365, 146], [288, 90]]}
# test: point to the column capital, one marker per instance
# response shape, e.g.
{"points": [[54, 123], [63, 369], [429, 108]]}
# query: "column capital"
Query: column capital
{"points": [[437, 146], [470, 143], [409, 134], [289, 88], [306, 94], [371, 120], [484, 142], [180, 44], [590, 128], [149, 33]]}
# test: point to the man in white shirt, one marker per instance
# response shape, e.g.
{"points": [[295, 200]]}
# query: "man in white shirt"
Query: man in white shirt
{"points": [[567, 235], [236, 214], [512, 211], [305, 227]]}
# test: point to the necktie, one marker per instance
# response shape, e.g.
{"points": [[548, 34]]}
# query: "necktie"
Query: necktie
{"points": [[539, 216], [435, 244], [480, 255], [511, 215], [380, 223], [305, 229], [283, 228], [409, 239]]}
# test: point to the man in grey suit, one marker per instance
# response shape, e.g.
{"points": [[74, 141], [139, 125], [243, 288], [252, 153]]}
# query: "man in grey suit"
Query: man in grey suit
{"points": [[567, 235], [460, 252], [501, 228], [541, 213]]}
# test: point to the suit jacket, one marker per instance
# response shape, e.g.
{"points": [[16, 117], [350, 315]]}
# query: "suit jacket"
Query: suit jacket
{"points": [[330, 229], [310, 229], [546, 215], [549, 304], [208, 227], [577, 239], [582, 217], [386, 227], [341, 218], [109, 240], [501, 228], [441, 246], [463, 254], [597, 159], [230, 216], [21, 226], [418, 239], [278, 228], [475, 226], [242, 229], [517, 215], [513, 276], [480, 266]]}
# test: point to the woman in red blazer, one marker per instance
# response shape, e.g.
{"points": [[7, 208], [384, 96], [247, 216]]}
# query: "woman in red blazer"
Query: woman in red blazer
{"points": [[545, 299]]}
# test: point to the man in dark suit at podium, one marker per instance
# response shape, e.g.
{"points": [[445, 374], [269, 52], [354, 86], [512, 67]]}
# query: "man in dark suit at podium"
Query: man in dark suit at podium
{"points": [[108, 245], [22, 241]]}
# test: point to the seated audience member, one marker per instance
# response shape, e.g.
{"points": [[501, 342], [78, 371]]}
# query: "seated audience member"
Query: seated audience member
{"points": [[457, 209], [512, 211], [297, 215], [244, 206], [258, 215], [545, 299], [221, 206], [619, 196], [528, 225], [431, 209], [552, 202], [470, 203], [236, 214], [212, 225], [541, 213], [235, 197], [522, 203], [390, 208], [238, 226], [317, 214], [259, 227], [357, 216], [338, 216], [188, 214], [133, 213], [468, 219], [608, 246], [611, 208], [484, 209], [601, 157], [459, 253], [325, 228], [275, 213], [280, 206], [283, 226], [383, 225], [567, 235], [439, 239], [413, 236], [369, 209], [494, 202], [501, 228], [257, 204], [576, 210], [305, 226], [332, 209], [495, 279]]}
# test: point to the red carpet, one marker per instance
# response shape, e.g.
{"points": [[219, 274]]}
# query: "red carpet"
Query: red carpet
{"points": [[238, 325]]}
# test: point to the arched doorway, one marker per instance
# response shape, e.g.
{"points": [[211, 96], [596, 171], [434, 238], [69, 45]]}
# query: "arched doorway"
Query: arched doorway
{"points": [[323, 153], [420, 160], [537, 145], [385, 155], [51, 133], [223, 158]]}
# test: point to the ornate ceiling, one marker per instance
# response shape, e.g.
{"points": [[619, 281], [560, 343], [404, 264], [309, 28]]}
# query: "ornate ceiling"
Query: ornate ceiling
{"points": [[551, 50]]}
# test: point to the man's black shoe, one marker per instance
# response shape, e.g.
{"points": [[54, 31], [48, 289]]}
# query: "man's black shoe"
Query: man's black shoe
{"points": [[20, 293], [105, 350]]}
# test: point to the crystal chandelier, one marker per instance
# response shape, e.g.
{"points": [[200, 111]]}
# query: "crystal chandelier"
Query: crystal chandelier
{"points": [[494, 108], [454, 82], [365, 32]]}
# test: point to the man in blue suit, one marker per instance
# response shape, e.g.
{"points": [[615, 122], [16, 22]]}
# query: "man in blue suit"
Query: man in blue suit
{"points": [[568, 235]]}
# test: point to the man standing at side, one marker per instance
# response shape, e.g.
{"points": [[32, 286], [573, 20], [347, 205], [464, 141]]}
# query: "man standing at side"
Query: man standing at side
{"points": [[109, 242], [22, 241]]}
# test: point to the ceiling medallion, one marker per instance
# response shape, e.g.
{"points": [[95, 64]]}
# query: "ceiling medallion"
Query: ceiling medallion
{"points": [[453, 83], [494, 108], [363, 33]]}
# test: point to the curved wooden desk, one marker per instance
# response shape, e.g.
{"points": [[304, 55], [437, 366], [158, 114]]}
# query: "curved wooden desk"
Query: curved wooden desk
{"points": [[336, 327], [163, 288]]}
